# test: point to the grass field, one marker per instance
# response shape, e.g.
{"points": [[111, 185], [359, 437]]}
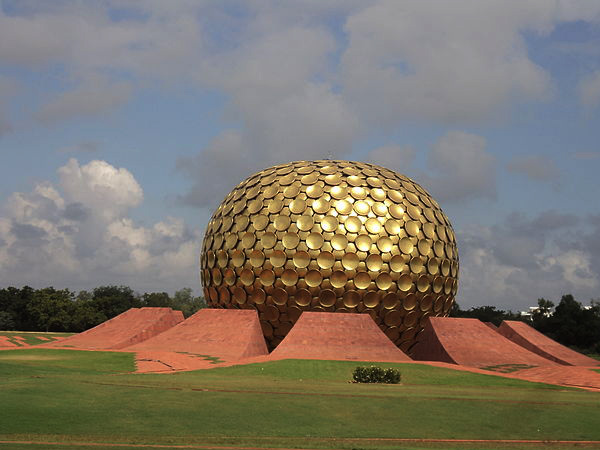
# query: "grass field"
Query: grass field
{"points": [[78, 397], [32, 337]]}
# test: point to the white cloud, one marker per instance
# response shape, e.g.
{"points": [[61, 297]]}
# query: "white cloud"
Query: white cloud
{"points": [[103, 188], [80, 235], [448, 61], [524, 258], [393, 157], [92, 97], [461, 168]]}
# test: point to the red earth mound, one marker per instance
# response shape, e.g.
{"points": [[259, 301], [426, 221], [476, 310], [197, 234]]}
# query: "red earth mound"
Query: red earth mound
{"points": [[133, 326], [470, 342], [536, 342], [5, 342], [339, 336], [228, 334]]}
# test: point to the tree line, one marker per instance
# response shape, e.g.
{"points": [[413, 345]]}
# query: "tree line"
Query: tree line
{"points": [[568, 322], [51, 309]]}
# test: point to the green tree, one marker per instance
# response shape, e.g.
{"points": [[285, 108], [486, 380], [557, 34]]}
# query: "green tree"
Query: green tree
{"points": [[111, 301], [6, 321], [184, 301], [51, 309], [157, 299], [85, 313]]}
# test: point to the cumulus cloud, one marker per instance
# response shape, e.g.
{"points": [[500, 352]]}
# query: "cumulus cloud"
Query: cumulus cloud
{"points": [[535, 167], [79, 235], [524, 258], [452, 62]]}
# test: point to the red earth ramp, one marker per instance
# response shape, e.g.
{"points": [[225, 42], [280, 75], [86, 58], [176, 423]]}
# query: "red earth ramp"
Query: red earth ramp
{"points": [[536, 342], [228, 334], [338, 336], [470, 342], [131, 327]]}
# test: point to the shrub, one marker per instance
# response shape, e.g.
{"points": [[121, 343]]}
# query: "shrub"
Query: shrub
{"points": [[374, 374]]}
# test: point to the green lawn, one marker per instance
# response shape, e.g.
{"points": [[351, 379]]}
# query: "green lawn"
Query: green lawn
{"points": [[76, 396]]}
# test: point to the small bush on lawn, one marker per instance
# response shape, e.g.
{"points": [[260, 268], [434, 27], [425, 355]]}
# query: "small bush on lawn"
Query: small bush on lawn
{"points": [[374, 374]]}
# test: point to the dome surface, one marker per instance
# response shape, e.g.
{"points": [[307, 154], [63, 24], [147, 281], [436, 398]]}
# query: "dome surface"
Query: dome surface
{"points": [[335, 236]]}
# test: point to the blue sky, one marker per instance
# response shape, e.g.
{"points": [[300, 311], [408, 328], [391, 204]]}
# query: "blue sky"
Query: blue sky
{"points": [[123, 124]]}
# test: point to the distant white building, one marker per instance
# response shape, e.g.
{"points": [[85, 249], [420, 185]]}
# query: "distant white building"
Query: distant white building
{"points": [[532, 310]]}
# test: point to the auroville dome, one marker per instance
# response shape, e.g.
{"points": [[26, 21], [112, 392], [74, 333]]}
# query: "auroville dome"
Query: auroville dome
{"points": [[335, 236]]}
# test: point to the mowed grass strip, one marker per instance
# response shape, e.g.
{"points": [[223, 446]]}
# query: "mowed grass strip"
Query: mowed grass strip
{"points": [[32, 337], [66, 395]]}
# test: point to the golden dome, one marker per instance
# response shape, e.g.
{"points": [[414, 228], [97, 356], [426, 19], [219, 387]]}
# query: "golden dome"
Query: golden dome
{"points": [[335, 236]]}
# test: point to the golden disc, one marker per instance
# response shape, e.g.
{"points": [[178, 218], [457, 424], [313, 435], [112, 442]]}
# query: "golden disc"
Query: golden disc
{"points": [[374, 263], [257, 258], [329, 223], [282, 223], [384, 281], [327, 298], [385, 244], [302, 297], [321, 206], [358, 193], [352, 224], [258, 296], [343, 207], [350, 261], [305, 223], [362, 207], [362, 280], [339, 242], [351, 299], [280, 296], [268, 240], [301, 259], [313, 278], [247, 277], [297, 206], [267, 277], [363, 243], [390, 301], [392, 226], [397, 263], [289, 277], [371, 299], [278, 258], [314, 241], [338, 279], [404, 282], [373, 226], [290, 240], [325, 260]]}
